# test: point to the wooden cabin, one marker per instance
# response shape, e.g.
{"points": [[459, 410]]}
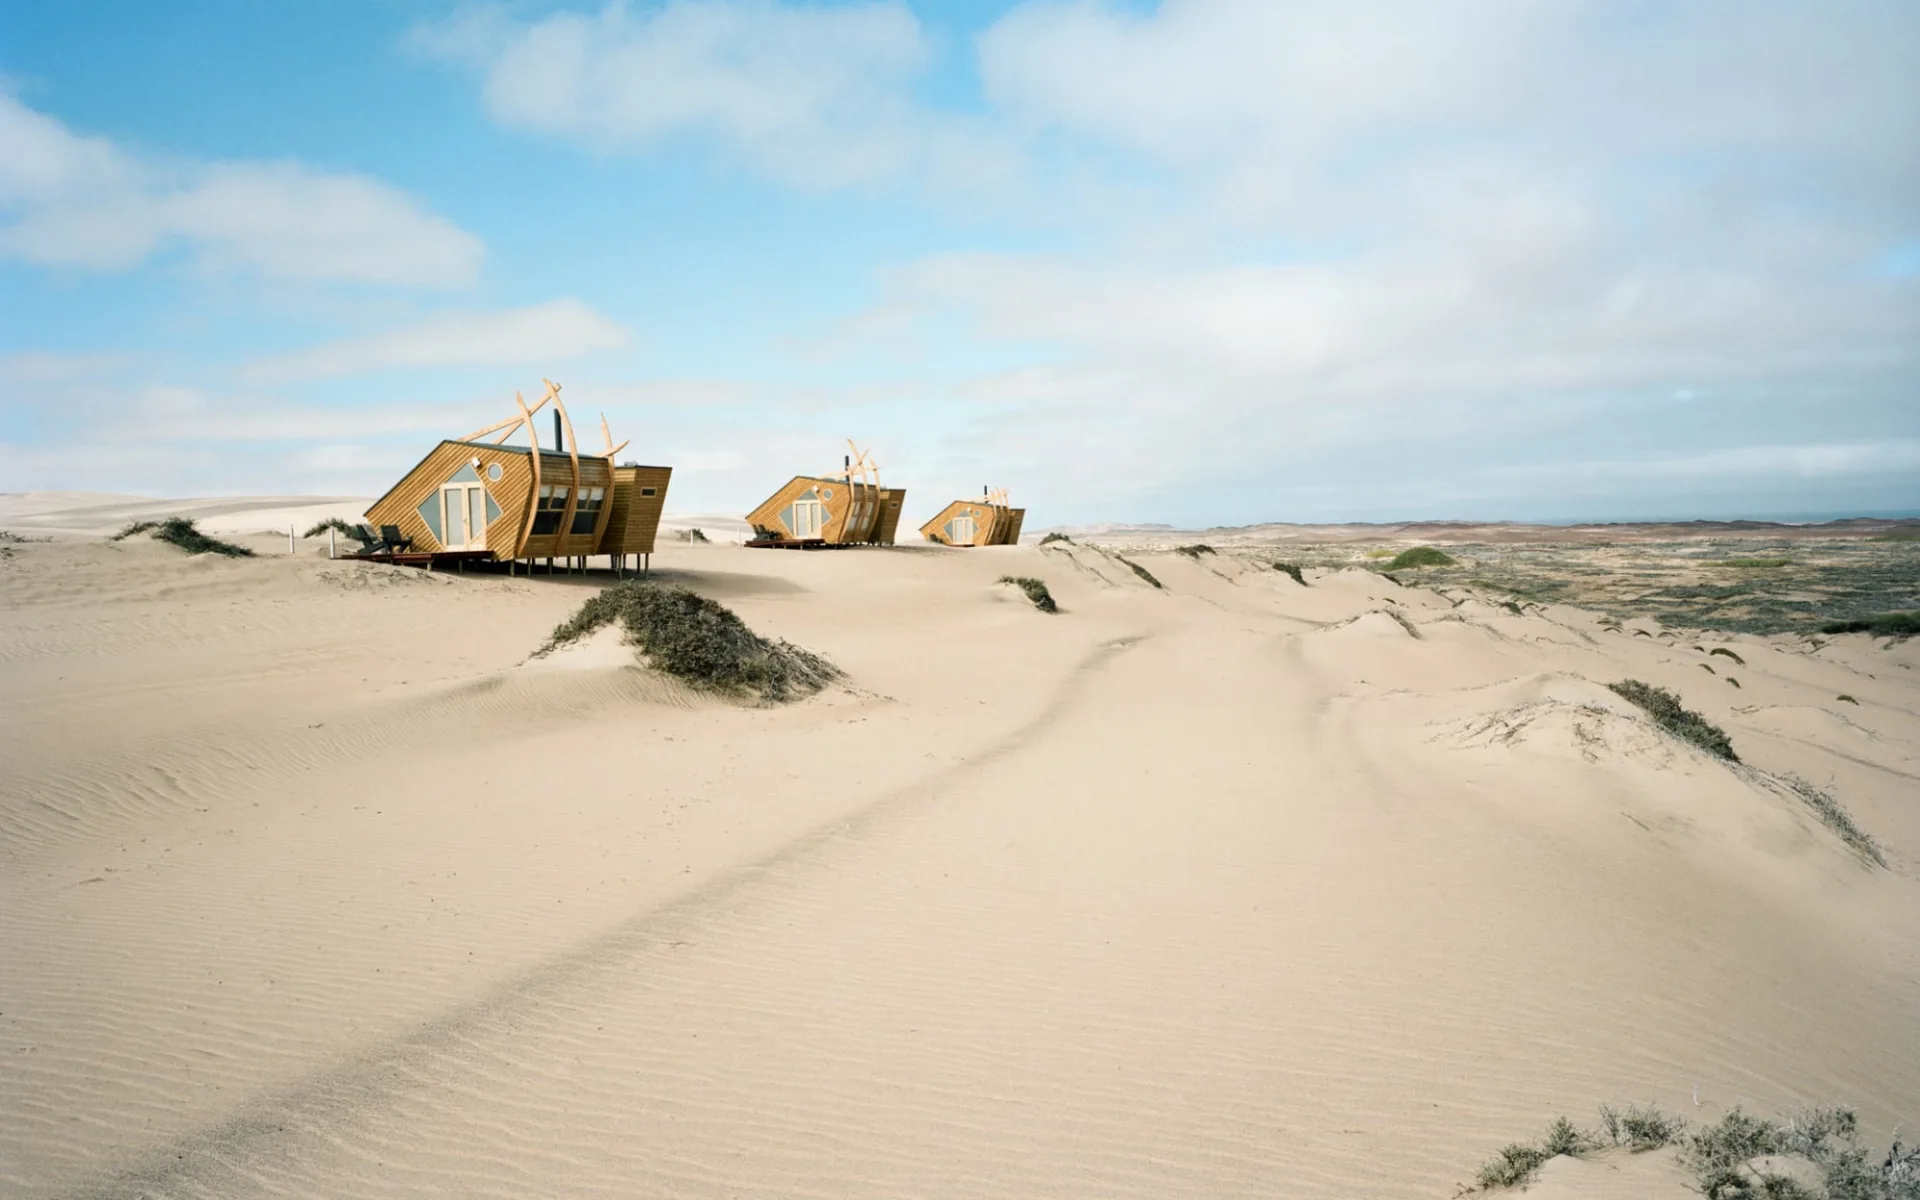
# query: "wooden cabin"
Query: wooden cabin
{"points": [[820, 510], [478, 497], [983, 522]]}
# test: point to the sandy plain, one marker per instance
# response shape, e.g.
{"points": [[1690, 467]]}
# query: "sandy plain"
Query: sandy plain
{"points": [[313, 883]]}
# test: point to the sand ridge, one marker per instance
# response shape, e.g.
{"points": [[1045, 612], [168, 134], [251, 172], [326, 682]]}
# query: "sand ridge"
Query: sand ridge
{"points": [[314, 884]]}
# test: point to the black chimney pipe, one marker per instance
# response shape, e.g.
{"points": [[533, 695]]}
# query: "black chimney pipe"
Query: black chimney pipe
{"points": [[559, 442]]}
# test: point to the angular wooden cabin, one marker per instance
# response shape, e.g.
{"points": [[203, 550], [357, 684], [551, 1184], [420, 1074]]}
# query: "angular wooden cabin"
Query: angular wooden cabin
{"points": [[983, 522], [470, 498], [819, 510]]}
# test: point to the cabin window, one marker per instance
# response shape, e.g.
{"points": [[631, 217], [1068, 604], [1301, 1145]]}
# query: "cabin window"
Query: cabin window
{"points": [[960, 530], [649, 491], [430, 513], [586, 513], [494, 472], [552, 506]]}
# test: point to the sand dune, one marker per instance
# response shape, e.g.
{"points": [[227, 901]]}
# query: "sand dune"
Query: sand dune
{"points": [[313, 884]]}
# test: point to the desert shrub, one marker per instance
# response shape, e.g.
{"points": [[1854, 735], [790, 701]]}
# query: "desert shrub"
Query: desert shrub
{"points": [[181, 532], [1141, 571], [1293, 569], [692, 535], [695, 639], [1835, 817], [1420, 556], [1723, 652], [336, 524], [1513, 1166], [1055, 537], [1194, 551], [1517, 1163], [1667, 713], [1901, 625], [1733, 681], [1709, 670], [1036, 591], [1846, 699], [1641, 1127]]}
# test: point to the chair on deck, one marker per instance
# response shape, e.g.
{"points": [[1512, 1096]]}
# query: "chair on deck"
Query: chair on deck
{"points": [[364, 534], [393, 541]]}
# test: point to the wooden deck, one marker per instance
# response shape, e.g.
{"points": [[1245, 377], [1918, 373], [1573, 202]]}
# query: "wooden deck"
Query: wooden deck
{"points": [[421, 558]]}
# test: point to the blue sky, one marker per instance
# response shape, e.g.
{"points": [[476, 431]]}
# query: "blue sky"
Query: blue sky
{"points": [[1203, 261]]}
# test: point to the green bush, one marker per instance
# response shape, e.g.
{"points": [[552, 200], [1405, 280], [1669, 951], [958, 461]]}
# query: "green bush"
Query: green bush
{"points": [[1056, 537], [1726, 653], [1293, 569], [1194, 551], [693, 638], [1420, 556], [1665, 709], [181, 532], [1036, 591], [1900, 625]]}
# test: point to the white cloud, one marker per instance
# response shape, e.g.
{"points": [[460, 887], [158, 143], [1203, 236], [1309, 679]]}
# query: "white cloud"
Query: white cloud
{"points": [[556, 330], [68, 200], [819, 96]]}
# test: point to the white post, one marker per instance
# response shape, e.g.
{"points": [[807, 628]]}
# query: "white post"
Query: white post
{"points": [[290, 539], [330, 532]]}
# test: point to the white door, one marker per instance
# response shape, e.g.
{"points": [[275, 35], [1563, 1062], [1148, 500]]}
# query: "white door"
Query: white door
{"points": [[809, 516], [963, 530], [463, 509]]}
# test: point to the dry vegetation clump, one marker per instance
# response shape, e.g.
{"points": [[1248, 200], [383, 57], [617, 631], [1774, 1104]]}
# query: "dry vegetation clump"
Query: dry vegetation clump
{"points": [[1726, 653], [336, 524], [1667, 713], [695, 639], [691, 535], [1194, 551], [1421, 556], [1036, 591], [1836, 818], [1722, 1156], [1293, 569], [1897, 625], [1141, 571], [1056, 537], [181, 532]]}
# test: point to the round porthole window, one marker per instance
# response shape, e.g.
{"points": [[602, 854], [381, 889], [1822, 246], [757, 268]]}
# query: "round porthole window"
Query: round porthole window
{"points": [[494, 472], [827, 494]]}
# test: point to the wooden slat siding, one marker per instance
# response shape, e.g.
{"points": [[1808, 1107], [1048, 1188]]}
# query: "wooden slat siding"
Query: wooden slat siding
{"points": [[401, 505], [892, 501], [1017, 517], [557, 469], [768, 514], [633, 520]]}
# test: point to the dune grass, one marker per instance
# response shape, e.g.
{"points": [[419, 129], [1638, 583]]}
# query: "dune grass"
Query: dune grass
{"points": [[1036, 591], [1835, 817], [1194, 551], [1421, 556], [1846, 699], [1898, 625], [181, 532], [1141, 571], [1667, 713], [1056, 537], [1293, 569], [1723, 652], [1723, 1156], [697, 640]]}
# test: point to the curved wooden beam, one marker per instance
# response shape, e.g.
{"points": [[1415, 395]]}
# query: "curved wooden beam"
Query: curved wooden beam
{"points": [[573, 457], [533, 497]]}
